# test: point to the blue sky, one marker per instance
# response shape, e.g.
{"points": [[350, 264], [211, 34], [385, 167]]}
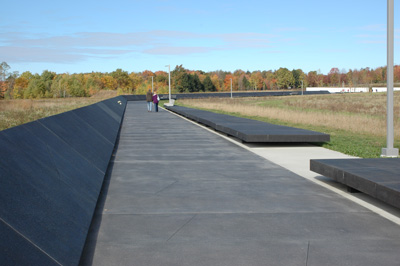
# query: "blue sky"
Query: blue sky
{"points": [[85, 36]]}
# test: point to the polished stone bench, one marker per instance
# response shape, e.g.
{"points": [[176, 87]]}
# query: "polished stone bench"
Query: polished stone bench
{"points": [[249, 130], [379, 178]]}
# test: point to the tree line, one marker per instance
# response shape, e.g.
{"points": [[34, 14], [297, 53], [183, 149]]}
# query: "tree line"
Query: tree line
{"points": [[50, 84]]}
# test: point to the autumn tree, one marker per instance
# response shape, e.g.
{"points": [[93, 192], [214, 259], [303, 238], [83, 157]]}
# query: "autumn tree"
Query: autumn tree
{"points": [[312, 79], [75, 87], [216, 81], [179, 78], [161, 77], [4, 67], [60, 85], [122, 79], [198, 86], [377, 76], [270, 80], [285, 78], [396, 74], [256, 80], [208, 84], [333, 77], [21, 84], [298, 76], [147, 74], [227, 82], [50, 84], [108, 82], [93, 83]]}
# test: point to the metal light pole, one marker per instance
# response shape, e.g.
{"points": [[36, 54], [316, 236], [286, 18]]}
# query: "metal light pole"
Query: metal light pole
{"points": [[301, 87], [151, 84], [231, 88], [389, 151], [169, 82]]}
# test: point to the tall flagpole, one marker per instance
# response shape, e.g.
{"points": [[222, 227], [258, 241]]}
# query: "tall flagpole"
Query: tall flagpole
{"points": [[389, 151]]}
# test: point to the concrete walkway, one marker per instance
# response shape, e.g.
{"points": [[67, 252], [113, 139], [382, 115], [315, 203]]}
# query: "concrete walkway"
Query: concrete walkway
{"points": [[178, 194]]}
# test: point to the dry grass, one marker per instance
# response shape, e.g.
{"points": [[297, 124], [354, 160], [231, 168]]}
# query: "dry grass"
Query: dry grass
{"points": [[17, 112], [355, 113]]}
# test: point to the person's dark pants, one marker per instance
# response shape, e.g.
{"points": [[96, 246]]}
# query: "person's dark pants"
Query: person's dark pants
{"points": [[156, 107]]}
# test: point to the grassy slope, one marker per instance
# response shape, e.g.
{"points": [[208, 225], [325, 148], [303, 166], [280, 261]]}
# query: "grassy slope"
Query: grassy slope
{"points": [[18, 112]]}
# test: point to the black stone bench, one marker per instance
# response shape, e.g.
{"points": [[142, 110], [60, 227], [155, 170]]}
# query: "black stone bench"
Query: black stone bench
{"points": [[379, 178], [249, 130], [51, 174]]}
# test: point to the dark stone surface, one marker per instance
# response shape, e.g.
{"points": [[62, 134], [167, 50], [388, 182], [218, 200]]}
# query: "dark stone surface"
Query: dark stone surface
{"points": [[249, 130], [17, 250], [51, 174], [379, 178], [38, 203], [116, 105], [107, 126], [80, 136]]}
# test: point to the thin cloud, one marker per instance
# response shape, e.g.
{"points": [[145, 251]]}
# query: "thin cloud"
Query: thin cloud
{"points": [[51, 55], [35, 54], [168, 50], [83, 39], [19, 46]]}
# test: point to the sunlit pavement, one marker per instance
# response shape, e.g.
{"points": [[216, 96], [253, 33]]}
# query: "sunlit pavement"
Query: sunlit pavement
{"points": [[179, 194]]}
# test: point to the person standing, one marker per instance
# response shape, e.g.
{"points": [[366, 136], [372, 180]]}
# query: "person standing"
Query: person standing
{"points": [[149, 99], [156, 99]]}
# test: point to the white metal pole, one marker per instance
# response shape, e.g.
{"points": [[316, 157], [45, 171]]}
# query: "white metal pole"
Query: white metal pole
{"points": [[151, 84], [231, 88], [301, 87], [169, 82], [389, 151]]}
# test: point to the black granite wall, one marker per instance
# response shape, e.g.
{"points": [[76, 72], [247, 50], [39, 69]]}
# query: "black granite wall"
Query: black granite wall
{"points": [[51, 174]]}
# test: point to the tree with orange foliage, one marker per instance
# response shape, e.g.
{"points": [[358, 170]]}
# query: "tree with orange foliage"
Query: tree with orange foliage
{"points": [[4, 67], [21, 84], [109, 82], [227, 82], [215, 81], [396, 74], [147, 74], [257, 80], [161, 77]]}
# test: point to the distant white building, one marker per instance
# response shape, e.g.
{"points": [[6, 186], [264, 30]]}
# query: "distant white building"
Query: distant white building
{"points": [[346, 89]]}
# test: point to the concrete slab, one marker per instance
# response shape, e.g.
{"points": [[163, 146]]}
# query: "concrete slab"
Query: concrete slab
{"points": [[249, 130], [179, 194]]}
